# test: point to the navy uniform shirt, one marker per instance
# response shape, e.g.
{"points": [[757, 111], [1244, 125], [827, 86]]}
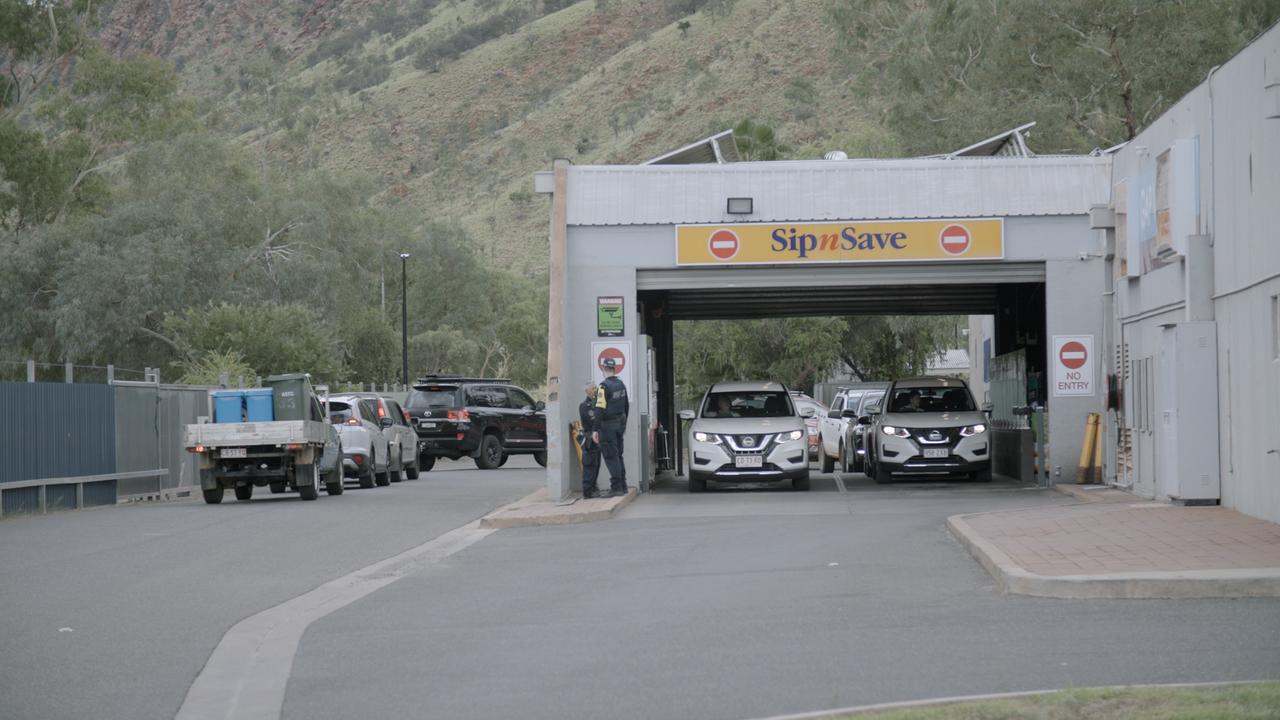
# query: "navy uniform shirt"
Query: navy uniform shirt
{"points": [[590, 418], [611, 398]]}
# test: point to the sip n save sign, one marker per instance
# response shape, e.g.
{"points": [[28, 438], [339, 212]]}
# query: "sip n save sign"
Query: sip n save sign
{"points": [[1073, 365]]}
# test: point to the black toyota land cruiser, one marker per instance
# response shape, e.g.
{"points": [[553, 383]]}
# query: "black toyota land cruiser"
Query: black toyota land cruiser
{"points": [[488, 419]]}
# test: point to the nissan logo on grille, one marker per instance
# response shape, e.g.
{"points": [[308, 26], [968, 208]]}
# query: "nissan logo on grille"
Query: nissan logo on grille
{"points": [[935, 435], [748, 441]]}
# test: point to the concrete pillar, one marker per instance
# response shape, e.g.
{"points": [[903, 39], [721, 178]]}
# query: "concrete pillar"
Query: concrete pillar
{"points": [[31, 371], [111, 374], [559, 452], [69, 371]]}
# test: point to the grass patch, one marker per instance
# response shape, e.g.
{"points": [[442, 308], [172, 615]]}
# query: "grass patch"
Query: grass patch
{"points": [[1255, 701]]}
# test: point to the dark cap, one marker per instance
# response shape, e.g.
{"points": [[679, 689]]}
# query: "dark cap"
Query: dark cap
{"points": [[608, 363]]}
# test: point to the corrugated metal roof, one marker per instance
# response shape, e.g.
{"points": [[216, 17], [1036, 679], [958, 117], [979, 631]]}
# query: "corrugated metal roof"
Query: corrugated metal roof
{"points": [[813, 190]]}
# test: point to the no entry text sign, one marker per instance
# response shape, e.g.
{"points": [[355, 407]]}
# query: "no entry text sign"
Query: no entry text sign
{"points": [[1073, 366]]}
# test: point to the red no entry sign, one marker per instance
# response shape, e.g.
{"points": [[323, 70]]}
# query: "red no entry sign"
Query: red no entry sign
{"points": [[723, 244], [611, 352], [1073, 355], [954, 239]]}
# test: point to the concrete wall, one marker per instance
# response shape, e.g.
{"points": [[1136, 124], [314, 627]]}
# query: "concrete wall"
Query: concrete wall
{"points": [[1235, 118]]}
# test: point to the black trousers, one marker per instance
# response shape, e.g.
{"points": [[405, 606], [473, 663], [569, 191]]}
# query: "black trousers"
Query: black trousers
{"points": [[590, 469], [611, 432]]}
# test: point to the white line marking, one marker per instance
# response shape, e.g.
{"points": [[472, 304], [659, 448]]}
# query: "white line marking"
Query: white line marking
{"points": [[1078, 355], [723, 244], [246, 676], [839, 481]]}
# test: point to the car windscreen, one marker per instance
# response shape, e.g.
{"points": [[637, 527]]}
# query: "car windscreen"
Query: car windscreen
{"points": [[931, 399], [871, 398], [432, 397], [748, 404]]}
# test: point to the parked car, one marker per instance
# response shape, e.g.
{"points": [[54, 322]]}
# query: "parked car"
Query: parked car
{"points": [[366, 455], [928, 426], [747, 432], [812, 411], [855, 445], [402, 439], [835, 422], [487, 419]]}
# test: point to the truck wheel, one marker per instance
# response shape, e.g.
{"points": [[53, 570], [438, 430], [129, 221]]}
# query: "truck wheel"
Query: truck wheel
{"points": [[244, 492], [490, 456], [540, 458], [504, 460], [426, 462], [828, 462], [335, 487], [214, 496], [308, 472], [277, 488], [411, 471]]}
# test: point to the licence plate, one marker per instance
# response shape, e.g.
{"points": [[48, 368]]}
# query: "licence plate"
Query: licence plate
{"points": [[233, 453], [749, 461], [934, 453], [427, 425]]}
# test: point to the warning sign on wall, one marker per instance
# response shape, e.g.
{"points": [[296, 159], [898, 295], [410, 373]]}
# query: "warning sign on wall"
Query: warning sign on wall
{"points": [[1073, 365]]}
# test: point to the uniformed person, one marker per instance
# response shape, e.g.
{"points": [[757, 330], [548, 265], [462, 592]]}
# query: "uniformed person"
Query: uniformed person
{"points": [[589, 415], [611, 401]]}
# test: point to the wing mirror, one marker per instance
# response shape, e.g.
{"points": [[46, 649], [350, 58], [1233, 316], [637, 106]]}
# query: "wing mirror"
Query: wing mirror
{"points": [[873, 410], [808, 413], [833, 413], [385, 422], [539, 406], [849, 413], [988, 407], [687, 414], [864, 420]]}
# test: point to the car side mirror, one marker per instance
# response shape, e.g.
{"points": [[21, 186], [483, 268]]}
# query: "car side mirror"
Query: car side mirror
{"points": [[385, 422], [873, 410], [849, 413], [687, 414], [988, 407], [539, 406], [808, 413], [864, 420]]}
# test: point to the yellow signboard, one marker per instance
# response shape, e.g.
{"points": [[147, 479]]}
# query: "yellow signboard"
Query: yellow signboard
{"points": [[840, 242]]}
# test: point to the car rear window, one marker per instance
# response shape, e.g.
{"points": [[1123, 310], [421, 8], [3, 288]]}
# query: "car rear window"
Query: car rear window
{"points": [[433, 396], [747, 403], [339, 412]]}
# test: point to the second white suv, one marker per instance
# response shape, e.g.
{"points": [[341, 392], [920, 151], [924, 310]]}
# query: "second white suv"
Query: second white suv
{"points": [[928, 426]]}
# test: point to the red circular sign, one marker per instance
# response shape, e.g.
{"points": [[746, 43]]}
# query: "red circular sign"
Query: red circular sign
{"points": [[723, 244], [1073, 355], [616, 354], [954, 239]]}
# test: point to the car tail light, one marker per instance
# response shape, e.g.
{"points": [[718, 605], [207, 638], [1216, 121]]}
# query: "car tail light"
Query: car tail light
{"points": [[353, 421], [198, 449], [358, 458], [293, 446], [460, 436], [463, 415], [382, 410], [407, 418]]}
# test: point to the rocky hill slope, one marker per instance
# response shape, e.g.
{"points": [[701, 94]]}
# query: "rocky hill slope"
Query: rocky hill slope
{"points": [[453, 105]]}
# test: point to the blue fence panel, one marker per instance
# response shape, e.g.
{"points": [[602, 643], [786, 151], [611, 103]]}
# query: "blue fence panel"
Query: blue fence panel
{"points": [[57, 430]]}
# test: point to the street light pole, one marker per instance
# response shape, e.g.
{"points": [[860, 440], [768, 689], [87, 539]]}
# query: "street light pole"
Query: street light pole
{"points": [[404, 320]]}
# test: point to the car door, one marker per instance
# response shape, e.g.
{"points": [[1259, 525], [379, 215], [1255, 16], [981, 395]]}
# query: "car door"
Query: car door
{"points": [[408, 438], [527, 425], [369, 418], [495, 400], [831, 426]]}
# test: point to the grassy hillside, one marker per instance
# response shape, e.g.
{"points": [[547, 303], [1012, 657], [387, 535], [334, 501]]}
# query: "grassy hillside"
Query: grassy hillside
{"points": [[592, 81]]}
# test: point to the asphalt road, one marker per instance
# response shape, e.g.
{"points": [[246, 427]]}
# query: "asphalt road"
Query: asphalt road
{"points": [[747, 603], [111, 613]]}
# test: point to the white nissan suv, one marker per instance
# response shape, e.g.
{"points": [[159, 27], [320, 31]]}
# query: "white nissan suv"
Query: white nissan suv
{"points": [[747, 432], [928, 426]]}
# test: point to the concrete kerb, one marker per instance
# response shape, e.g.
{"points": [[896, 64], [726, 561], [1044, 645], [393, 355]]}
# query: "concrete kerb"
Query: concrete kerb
{"points": [[536, 511], [1187, 584]]}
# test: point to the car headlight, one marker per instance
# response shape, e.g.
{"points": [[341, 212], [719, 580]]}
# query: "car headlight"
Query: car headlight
{"points": [[895, 431], [707, 438], [793, 435], [971, 430]]}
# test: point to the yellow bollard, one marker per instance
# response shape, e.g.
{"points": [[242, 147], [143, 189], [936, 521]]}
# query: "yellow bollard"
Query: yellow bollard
{"points": [[1085, 470]]}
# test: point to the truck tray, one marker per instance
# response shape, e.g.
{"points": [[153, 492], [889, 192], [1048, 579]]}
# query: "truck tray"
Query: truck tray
{"points": [[281, 432]]}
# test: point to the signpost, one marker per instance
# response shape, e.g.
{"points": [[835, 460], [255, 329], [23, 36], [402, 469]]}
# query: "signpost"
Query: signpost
{"points": [[954, 240], [1073, 366], [620, 351], [610, 321]]}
